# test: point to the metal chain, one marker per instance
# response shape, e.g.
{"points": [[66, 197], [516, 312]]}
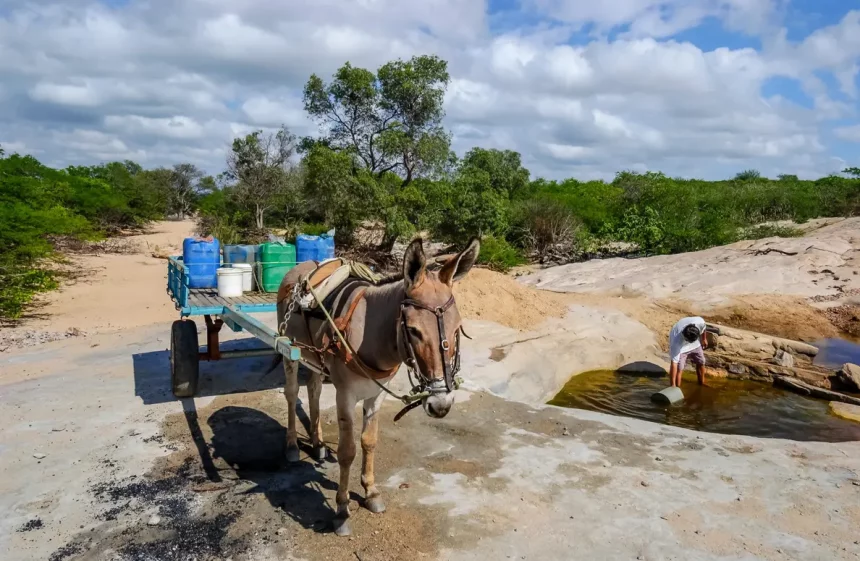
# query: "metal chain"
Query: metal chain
{"points": [[294, 301]]}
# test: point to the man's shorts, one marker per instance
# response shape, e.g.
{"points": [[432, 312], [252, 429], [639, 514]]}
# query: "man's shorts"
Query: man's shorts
{"points": [[697, 356]]}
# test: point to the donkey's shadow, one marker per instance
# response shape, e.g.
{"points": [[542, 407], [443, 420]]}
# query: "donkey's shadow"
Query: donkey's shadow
{"points": [[254, 445]]}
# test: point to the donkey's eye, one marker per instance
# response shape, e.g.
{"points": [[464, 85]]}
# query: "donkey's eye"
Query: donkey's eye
{"points": [[415, 333]]}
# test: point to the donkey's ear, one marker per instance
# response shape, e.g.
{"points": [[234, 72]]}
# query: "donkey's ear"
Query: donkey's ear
{"points": [[414, 264], [459, 266]]}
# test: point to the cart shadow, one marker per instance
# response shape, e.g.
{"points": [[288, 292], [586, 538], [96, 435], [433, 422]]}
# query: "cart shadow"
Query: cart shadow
{"points": [[236, 375], [253, 444]]}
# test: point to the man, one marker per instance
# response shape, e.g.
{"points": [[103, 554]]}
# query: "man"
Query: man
{"points": [[687, 340]]}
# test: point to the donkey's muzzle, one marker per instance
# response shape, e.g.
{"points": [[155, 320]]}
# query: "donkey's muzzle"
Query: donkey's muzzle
{"points": [[439, 404]]}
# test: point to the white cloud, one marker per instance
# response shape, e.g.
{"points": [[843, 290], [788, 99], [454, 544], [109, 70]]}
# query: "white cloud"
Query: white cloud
{"points": [[851, 133], [163, 81]]}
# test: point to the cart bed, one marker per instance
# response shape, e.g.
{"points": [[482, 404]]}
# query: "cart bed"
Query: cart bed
{"points": [[205, 301], [208, 298]]}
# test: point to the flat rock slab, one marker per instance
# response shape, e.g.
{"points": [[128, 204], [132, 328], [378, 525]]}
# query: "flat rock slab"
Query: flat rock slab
{"points": [[845, 410]]}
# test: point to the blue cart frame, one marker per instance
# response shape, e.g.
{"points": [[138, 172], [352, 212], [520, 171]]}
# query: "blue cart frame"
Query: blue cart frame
{"points": [[185, 352]]}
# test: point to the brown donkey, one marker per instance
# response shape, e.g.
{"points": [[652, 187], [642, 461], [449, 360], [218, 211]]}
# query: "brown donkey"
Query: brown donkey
{"points": [[413, 320]]}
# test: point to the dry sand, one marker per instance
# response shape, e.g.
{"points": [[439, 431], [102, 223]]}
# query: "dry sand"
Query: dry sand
{"points": [[113, 291]]}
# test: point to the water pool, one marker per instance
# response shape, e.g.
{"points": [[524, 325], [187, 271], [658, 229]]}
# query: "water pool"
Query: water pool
{"points": [[724, 406]]}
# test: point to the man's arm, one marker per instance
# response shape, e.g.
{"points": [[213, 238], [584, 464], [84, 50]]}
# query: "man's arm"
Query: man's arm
{"points": [[704, 340]]}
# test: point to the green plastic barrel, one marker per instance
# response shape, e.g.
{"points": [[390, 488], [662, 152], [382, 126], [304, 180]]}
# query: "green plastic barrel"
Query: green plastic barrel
{"points": [[275, 260]]}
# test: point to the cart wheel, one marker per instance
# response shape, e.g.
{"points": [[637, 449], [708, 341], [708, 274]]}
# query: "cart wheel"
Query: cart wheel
{"points": [[184, 358]]}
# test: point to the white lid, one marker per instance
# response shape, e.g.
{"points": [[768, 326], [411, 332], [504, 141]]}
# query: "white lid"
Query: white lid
{"points": [[242, 265]]}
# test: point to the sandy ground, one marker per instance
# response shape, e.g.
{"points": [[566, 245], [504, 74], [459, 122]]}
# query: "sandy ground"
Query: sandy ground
{"points": [[99, 461], [115, 291]]}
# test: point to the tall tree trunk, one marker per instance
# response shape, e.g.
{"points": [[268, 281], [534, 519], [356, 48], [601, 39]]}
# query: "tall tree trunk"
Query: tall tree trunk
{"points": [[259, 216]]}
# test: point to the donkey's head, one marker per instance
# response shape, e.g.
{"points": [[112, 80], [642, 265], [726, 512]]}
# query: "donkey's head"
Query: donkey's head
{"points": [[430, 322]]}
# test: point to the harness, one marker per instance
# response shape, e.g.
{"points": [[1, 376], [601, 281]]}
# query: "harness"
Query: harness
{"points": [[422, 384], [451, 368]]}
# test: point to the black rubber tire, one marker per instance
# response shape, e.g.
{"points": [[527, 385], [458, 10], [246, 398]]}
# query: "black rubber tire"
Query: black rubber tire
{"points": [[184, 358]]}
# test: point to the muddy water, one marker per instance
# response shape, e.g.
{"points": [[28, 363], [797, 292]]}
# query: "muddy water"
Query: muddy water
{"points": [[725, 406]]}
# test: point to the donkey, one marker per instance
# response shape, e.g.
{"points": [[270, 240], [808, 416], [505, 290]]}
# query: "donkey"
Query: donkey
{"points": [[410, 318]]}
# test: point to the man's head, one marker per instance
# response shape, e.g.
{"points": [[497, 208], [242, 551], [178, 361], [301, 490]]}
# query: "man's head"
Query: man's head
{"points": [[691, 333]]}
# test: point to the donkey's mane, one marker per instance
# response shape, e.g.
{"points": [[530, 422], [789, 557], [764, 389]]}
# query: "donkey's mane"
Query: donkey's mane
{"points": [[389, 279]]}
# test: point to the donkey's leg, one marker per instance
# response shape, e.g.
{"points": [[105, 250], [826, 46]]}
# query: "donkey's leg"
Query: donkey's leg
{"points": [[345, 456], [314, 391], [291, 392], [369, 437]]}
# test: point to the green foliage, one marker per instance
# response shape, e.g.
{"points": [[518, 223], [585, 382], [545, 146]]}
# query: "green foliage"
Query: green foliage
{"points": [[390, 121], [770, 231], [499, 255], [261, 167], [469, 206], [644, 227], [748, 175], [507, 175], [312, 228]]}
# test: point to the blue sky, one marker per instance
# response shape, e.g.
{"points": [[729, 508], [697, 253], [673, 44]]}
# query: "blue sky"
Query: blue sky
{"points": [[695, 88]]}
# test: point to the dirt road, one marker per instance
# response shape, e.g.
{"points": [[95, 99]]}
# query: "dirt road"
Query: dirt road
{"points": [[98, 461]]}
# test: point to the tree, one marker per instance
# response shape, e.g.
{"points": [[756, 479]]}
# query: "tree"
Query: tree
{"points": [[748, 175], [390, 121], [184, 182], [263, 169], [854, 172], [507, 175]]}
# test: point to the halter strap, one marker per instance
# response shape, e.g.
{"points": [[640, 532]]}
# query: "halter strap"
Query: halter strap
{"points": [[449, 370]]}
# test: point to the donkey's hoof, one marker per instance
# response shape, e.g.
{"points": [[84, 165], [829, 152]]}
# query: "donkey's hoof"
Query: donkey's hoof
{"points": [[320, 453], [375, 505], [293, 454], [342, 527]]}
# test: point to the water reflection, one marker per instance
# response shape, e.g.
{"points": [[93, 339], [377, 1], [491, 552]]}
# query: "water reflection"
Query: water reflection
{"points": [[833, 353], [724, 406]]}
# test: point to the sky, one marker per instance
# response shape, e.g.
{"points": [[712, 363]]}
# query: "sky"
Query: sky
{"points": [[581, 88]]}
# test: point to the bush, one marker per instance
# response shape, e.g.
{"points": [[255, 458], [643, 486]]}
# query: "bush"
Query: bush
{"points": [[546, 229], [499, 255], [770, 231]]}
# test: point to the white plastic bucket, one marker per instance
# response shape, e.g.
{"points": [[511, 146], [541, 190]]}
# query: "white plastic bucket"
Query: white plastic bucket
{"points": [[229, 282], [247, 275]]}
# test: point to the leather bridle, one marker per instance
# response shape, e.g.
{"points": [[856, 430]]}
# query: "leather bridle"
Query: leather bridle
{"points": [[449, 367]]}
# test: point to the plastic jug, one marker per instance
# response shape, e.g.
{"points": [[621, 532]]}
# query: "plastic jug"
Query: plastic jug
{"points": [[314, 248], [241, 253], [201, 257], [276, 258]]}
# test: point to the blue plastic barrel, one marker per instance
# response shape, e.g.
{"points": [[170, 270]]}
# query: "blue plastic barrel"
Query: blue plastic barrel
{"points": [[314, 248], [241, 253], [201, 258], [306, 248], [325, 248]]}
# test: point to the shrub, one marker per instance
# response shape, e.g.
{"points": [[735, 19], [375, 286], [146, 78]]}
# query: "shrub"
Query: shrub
{"points": [[546, 229], [499, 255], [770, 231]]}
